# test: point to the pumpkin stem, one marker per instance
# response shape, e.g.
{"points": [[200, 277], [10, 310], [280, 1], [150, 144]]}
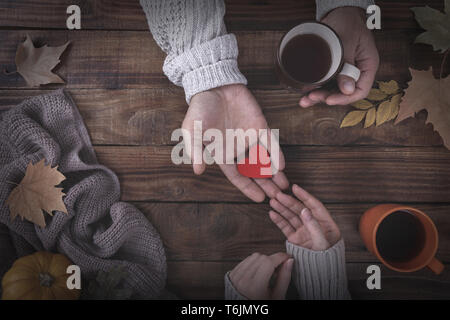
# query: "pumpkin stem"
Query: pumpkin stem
{"points": [[45, 279]]}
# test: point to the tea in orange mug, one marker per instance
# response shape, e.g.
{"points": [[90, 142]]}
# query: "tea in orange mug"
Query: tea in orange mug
{"points": [[403, 238]]}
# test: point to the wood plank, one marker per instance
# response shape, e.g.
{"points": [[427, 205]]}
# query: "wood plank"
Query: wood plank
{"points": [[205, 280], [240, 14], [334, 174], [148, 117], [131, 59], [226, 232]]}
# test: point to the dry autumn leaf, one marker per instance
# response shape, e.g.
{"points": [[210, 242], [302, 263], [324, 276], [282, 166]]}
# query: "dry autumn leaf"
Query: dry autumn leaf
{"points": [[389, 87], [35, 64], [383, 112], [362, 104], [387, 109], [37, 192], [376, 95], [381, 105], [426, 92], [395, 107], [353, 118], [370, 117]]}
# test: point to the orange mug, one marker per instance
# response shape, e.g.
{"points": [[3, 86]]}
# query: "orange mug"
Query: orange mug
{"points": [[368, 227]]}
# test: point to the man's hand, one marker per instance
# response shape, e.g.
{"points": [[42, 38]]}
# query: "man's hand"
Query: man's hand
{"points": [[359, 50], [231, 107], [251, 277], [305, 223]]}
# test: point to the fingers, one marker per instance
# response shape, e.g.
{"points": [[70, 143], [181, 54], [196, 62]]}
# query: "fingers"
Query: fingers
{"points": [[319, 241], [287, 214], [270, 141], [268, 264], [314, 97], [268, 186], [290, 202], [281, 223], [306, 101], [246, 267], [308, 200], [272, 187], [281, 180], [346, 84], [283, 280], [194, 147], [368, 64], [246, 185], [278, 258]]}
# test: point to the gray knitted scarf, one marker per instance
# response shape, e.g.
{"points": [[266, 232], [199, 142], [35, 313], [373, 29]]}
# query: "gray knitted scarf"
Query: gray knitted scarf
{"points": [[100, 232]]}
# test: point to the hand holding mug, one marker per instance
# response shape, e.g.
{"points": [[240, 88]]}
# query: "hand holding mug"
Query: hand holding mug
{"points": [[304, 221], [252, 277], [359, 50]]}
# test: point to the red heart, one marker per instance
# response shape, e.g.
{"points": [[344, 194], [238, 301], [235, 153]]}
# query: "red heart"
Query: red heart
{"points": [[253, 170]]}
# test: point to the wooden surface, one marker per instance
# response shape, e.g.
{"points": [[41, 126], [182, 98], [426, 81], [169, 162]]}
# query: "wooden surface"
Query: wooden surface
{"points": [[113, 71]]}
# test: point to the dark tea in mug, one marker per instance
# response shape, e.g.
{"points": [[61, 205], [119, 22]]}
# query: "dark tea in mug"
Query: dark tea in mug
{"points": [[311, 55], [400, 236], [307, 58]]}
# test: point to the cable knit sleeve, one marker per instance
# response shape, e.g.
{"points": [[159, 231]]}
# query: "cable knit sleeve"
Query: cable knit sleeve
{"points": [[231, 292], [200, 53], [320, 275], [325, 6]]}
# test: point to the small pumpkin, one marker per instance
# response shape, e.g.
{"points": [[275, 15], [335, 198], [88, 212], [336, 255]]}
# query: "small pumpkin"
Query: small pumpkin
{"points": [[39, 276]]}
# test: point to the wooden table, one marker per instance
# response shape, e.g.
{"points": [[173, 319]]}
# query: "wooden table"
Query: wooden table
{"points": [[113, 71]]}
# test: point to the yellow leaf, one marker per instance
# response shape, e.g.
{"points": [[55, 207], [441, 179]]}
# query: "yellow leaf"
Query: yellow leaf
{"points": [[395, 101], [385, 110], [370, 118], [389, 87], [376, 95], [362, 104], [353, 118], [37, 192]]}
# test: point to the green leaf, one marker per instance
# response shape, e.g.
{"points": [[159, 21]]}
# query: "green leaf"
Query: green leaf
{"points": [[437, 25]]}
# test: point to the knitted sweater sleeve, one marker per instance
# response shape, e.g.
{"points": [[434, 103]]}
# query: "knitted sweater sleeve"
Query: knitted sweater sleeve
{"points": [[318, 275], [325, 6], [201, 55]]}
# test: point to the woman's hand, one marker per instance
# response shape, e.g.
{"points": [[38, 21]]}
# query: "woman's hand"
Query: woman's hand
{"points": [[305, 222], [231, 107], [359, 50], [252, 277]]}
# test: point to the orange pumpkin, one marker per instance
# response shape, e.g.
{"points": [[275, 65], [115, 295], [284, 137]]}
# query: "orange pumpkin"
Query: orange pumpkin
{"points": [[39, 276]]}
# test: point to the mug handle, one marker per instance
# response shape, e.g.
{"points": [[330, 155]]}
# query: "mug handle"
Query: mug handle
{"points": [[436, 266], [351, 71]]}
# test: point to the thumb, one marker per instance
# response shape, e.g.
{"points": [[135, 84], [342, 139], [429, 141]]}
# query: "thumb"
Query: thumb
{"points": [[319, 242], [283, 280], [346, 84]]}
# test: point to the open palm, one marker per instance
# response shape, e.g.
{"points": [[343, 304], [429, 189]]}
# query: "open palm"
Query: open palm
{"points": [[231, 107], [305, 222]]}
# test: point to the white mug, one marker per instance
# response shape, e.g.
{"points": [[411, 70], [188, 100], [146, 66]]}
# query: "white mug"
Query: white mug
{"points": [[337, 65]]}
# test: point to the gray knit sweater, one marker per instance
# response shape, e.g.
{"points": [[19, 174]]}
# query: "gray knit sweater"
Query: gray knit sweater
{"points": [[201, 55]]}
